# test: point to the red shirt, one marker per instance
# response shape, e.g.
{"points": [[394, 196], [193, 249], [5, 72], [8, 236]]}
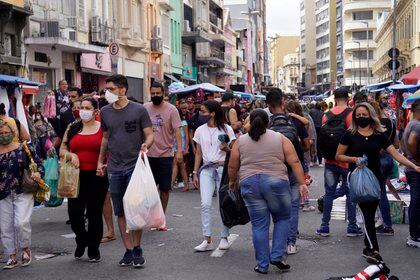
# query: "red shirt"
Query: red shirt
{"points": [[337, 111], [87, 148]]}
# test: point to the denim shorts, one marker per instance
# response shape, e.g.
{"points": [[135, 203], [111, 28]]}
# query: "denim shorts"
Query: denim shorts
{"points": [[118, 183], [162, 172]]}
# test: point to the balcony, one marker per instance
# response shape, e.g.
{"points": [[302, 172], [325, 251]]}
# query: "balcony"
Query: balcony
{"points": [[358, 26], [354, 6], [355, 64], [194, 35], [166, 5], [215, 58], [353, 46]]}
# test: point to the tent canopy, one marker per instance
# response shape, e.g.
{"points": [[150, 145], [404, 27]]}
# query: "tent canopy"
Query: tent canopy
{"points": [[413, 77], [13, 80], [405, 88], [205, 86], [243, 95], [377, 86]]}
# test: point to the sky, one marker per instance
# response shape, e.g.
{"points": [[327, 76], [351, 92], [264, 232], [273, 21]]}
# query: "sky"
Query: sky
{"points": [[283, 17]]}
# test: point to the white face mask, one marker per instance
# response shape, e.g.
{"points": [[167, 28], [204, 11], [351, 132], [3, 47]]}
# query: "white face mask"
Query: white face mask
{"points": [[86, 115], [110, 97]]}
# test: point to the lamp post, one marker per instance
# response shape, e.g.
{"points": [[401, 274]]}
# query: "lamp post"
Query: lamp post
{"points": [[360, 65], [367, 40], [352, 75]]}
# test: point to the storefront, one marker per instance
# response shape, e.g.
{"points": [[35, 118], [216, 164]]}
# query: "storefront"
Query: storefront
{"points": [[95, 68], [134, 71]]}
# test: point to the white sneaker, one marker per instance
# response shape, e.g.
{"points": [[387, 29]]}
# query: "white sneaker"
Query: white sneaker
{"points": [[204, 246], [224, 244], [291, 249], [308, 208], [413, 242]]}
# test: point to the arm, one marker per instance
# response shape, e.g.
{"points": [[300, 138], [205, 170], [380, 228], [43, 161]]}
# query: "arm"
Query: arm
{"points": [[341, 155], [233, 118], [303, 120], [293, 161], [100, 170], [306, 145], [191, 136], [198, 158], [412, 144], [179, 154], [247, 125], [65, 151], [148, 135], [402, 159], [396, 142], [187, 138], [234, 164], [24, 136]]}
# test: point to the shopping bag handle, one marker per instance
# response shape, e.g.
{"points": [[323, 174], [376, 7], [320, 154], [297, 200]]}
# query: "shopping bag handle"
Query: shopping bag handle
{"points": [[145, 159]]}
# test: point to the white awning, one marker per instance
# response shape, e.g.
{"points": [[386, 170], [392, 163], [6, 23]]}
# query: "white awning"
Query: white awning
{"points": [[64, 45]]}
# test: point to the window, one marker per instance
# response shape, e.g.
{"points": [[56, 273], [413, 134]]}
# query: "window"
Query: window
{"points": [[323, 40], [361, 35], [81, 12], [41, 57], [365, 15], [362, 54]]}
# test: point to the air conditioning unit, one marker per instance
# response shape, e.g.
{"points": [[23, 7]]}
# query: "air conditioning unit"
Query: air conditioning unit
{"points": [[96, 30], [69, 34], [50, 29], [156, 31], [219, 23], [156, 45], [187, 27]]}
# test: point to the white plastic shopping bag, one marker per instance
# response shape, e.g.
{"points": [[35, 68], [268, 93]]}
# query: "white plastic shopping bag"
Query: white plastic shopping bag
{"points": [[142, 206]]}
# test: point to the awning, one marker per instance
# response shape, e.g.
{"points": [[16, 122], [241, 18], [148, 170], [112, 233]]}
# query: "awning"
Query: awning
{"points": [[205, 87], [413, 77], [243, 95], [169, 76], [377, 86], [29, 89], [404, 88], [64, 45], [95, 72], [13, 80]]}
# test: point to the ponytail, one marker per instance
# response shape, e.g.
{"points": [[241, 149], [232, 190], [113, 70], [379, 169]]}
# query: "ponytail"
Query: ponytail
{"points": [[2, 109], [259, 122]]}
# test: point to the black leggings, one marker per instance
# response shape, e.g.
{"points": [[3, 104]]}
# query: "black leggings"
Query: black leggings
{"points": [[369, 210], [91, 198]]}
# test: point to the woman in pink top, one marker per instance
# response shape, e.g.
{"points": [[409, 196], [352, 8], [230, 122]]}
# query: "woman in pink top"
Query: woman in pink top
{"points": [[260, 158]]}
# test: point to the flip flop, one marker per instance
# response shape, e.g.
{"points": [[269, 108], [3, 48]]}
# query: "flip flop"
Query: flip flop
{"points": [[106, 239], [185, 190]]}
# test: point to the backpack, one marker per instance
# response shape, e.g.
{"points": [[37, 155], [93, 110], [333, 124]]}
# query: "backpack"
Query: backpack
{"points": [[331, 133], [282, 123]]}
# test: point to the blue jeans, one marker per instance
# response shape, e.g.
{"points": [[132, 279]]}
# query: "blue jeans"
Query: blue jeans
{"points": [[118, 183], [413, 179], [265, 196], [294, 214], [332, 175]]}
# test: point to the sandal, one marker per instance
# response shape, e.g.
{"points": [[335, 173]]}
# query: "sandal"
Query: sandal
{"points": [[185, 189], [108, 238]]}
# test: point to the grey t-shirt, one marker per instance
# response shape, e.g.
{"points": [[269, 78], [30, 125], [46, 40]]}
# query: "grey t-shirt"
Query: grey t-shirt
{"points": [[412, 127], [125, 134]]}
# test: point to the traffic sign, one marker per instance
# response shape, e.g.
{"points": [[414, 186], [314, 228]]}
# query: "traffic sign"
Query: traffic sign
{"points": [[114, 48], [397, 64], [391, 53]]}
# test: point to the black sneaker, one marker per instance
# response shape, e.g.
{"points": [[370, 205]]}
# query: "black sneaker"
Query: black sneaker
{"points": [[138, 260], [94, 255], [127, 260], [79, 252], [386, 231], [281, 265], [372, 256]]}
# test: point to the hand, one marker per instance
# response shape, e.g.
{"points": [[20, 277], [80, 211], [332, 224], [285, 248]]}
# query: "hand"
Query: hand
{"points": [[100, 170], [179, 156], [293, 115], [224, 147], [51, 152], [144, 148], [195, 181], [417, 169], [360, 163], [36, 176], [304, 192], [75, 160], [233, 186]]}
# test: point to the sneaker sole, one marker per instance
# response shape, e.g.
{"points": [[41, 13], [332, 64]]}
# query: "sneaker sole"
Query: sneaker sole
{"points": [[385, 234], [125, 264], [292, 253], [411, 245], [323, 234], [94, 260], [26, 264], [139, 265], [354, 234], [10, 267], [201, 251]]}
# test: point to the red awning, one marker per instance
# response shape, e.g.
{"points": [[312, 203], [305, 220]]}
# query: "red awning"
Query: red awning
{"points": [[413, 77], [26, 89]]}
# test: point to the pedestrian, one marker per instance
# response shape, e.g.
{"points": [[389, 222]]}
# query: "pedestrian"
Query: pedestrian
{"points": [[81, 145], [229, 112], [411, 147], [260, 156], [335, 124], [20, 133], [295, 131], [45, 134], [166, 127], [63, 114], [180, 167], [15, 206], [366, 137], [126, 122], [213, 140], [317, 115]]}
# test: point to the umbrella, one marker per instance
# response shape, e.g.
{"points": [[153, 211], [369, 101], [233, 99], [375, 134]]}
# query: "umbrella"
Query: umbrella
{"points": [[404, 88], [411, 99], [205, 87], [413, 77]]}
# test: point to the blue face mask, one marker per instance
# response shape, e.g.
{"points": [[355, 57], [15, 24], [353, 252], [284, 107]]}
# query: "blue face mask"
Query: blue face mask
{"points": [[204, 119]]}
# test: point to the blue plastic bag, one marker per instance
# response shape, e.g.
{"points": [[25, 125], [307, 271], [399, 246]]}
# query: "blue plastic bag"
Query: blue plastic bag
{"points": [[364, 186], [51, 178]]}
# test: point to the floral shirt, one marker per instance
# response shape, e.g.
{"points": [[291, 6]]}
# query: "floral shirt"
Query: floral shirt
{"points": [[12, 165]]}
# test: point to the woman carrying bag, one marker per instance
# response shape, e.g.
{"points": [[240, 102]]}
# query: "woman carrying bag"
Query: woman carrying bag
{"points": [[15, 206], [81, 145], [366, 137]]}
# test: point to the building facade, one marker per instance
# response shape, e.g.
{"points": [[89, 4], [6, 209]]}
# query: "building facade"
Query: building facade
{"points": [[307, 44], [407, 40], [176, 18], [291, 73], [359, 30], [13, 19], [280, 46]]}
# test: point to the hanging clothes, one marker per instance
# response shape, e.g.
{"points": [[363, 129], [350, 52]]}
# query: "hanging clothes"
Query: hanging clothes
{"points": [[4, 98], [20, 110]]}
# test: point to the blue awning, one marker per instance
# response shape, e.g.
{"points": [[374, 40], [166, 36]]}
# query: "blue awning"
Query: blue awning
{"points": [[381, 85], [243, 95], [13, 80], [404, 88]]}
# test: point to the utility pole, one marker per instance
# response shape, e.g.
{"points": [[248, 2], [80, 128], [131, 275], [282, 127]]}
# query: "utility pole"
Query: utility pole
{"points": [[394, 42], [367, 57]]}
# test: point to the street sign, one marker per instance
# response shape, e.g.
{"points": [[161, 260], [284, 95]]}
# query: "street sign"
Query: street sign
{"points": [[391, 55], [397, 64], [114, 48]]}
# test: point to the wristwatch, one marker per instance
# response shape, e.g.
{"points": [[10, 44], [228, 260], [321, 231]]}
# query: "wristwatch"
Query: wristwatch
{"points": [[195, 172]]}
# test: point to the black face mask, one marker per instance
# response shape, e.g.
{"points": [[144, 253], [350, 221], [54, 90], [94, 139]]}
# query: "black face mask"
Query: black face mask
{"points": [[157, 100], [364, 122], [204, 119]]}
